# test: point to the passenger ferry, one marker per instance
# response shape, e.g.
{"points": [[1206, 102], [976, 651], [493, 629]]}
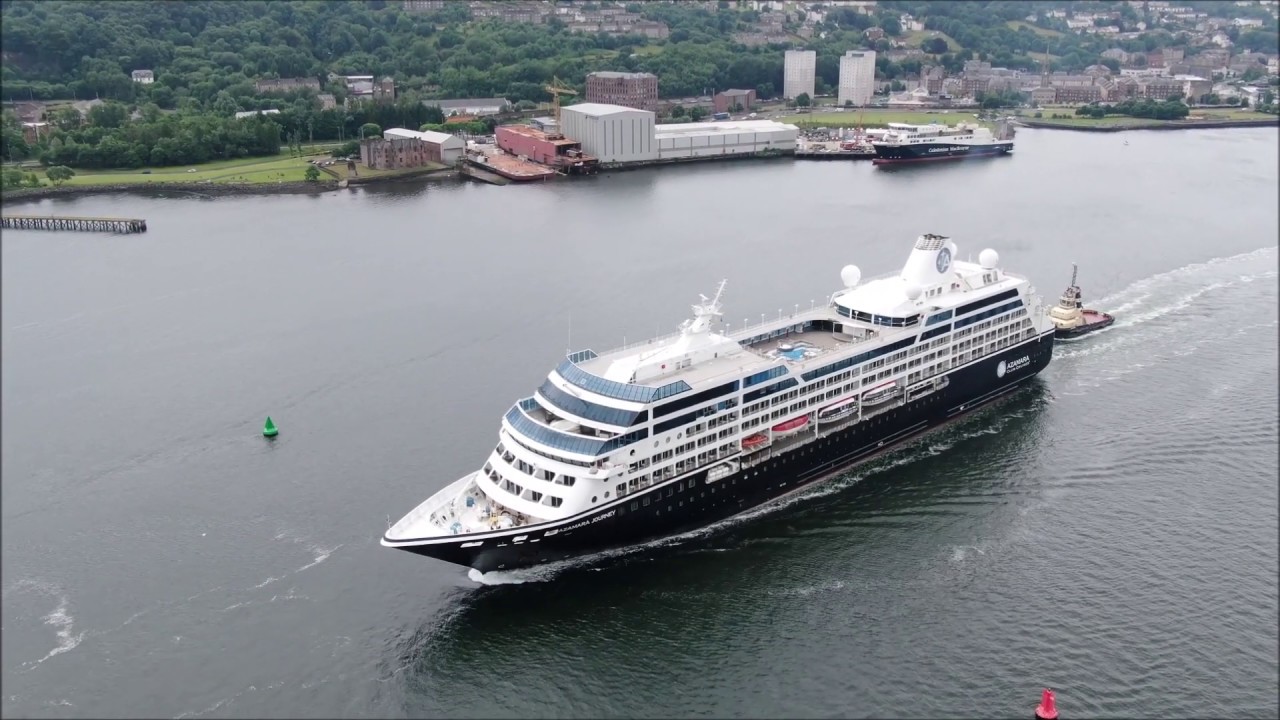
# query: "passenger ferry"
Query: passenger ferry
{"points": [[617, 448], [919, 143]]}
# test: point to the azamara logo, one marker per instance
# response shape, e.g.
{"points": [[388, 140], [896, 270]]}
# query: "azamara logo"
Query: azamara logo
{"points": [[1007, 367]]}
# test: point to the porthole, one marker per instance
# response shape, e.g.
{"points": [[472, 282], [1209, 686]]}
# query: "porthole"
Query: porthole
{"points": [[593, 498]]}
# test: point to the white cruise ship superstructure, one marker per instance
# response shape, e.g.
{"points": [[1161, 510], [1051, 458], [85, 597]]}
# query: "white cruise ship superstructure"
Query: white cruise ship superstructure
{"points": [[666, 436]]}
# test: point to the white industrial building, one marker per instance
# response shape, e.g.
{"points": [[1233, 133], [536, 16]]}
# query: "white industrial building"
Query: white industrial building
{"points": [[619, 135], [717, 139], [798, 73], [612, 133], [857, 77]]}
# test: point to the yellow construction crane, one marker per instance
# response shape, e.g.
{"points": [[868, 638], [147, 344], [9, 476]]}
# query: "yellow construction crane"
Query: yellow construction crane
{"points": [[556, 88]]}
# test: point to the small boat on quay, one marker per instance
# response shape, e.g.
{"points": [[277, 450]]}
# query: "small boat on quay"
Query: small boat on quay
{"points": [[1070, 317]]}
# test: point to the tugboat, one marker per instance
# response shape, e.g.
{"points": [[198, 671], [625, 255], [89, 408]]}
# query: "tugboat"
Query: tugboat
{"points": [[1069, 316]]}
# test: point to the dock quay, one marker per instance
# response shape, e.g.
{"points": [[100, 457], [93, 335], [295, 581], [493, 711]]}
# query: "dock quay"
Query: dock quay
{"points": [[77, 224], [511, 167], [473, 171], [831, 151]]}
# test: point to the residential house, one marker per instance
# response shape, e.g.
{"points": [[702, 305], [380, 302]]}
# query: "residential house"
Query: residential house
{"points": [[144, 77], [423, 5], [471, 106], [1117, 54], [282, 85], [726, 101]]}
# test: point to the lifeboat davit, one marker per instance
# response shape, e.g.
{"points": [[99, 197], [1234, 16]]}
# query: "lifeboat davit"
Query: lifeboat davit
{"points": [[880, 393], [839, 410], [791, 426]]}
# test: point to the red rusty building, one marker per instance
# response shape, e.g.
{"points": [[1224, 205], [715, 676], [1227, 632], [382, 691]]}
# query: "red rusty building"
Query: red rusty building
{"points": [[551, 149]]}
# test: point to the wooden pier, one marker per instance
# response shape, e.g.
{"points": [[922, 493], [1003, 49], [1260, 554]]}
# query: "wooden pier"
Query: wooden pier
{"points": [[77, 224]]}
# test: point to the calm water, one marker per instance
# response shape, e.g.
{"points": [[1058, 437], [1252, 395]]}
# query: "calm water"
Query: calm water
{"points": [[1110, 532]]}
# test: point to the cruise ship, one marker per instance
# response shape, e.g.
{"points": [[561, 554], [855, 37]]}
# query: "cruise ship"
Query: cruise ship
{"points": [[905, 143], [646, 441]]}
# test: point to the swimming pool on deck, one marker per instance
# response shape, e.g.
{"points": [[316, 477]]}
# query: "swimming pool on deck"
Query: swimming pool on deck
{"points": [[796, 352]]}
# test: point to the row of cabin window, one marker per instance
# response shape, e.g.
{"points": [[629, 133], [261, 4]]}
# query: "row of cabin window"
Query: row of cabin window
{"points": [[686, 465], [533, 470]]}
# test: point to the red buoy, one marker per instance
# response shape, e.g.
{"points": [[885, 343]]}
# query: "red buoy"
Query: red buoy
{"points": [[1046, 710]]}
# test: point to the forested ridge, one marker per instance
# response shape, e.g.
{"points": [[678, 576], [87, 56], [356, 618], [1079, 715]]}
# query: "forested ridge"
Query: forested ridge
{"points": [[208, 54]]}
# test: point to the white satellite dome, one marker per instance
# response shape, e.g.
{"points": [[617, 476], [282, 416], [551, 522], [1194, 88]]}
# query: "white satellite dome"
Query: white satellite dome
{"points": [[913, 291], [988, 258], [850, 275]]}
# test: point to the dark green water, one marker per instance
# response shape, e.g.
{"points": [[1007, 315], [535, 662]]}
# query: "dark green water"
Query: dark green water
{"points": [[1110, 532]]}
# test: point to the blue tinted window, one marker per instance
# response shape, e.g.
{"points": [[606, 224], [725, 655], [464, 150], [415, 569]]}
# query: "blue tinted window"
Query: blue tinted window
{"points": [[622, 391], [929, 334], [768, 390], [764, 375], [998, 297], [534, 430], [691, 400], [562, 400], [988, 313], [936, 318]]}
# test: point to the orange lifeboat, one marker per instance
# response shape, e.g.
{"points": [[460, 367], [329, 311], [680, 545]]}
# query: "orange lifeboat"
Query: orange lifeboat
{"points": [[791, 426]]}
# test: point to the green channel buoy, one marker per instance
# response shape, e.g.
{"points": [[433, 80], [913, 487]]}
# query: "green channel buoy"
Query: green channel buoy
{"points": [[269, 430]]}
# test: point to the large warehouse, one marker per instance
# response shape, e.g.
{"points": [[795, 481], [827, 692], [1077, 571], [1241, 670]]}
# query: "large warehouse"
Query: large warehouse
{"points": [[621, 135], [714, 139], [613, 133]]}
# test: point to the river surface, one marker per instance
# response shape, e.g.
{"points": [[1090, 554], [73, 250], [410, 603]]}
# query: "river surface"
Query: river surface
{"points": [[1110, 532]]}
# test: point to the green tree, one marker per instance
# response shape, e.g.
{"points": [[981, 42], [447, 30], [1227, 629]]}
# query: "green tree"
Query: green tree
{"points": [[108, 115], [346, 149], [12, 178], [370, 130], [803, 100], [59, 174], [312, 173], [696, 113], [934, 46]]}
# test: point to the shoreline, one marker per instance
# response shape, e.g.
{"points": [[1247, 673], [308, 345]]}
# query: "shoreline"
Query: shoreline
{"points": [[211, 190], [300, 187], [1153, 125]]}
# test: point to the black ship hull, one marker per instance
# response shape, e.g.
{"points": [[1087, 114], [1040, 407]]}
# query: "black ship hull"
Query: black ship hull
{"points": [[691, 501], [932, 152]]}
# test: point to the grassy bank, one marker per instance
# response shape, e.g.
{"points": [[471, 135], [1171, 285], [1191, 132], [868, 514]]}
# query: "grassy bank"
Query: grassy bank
{"points": [[879, 118], [1120, 121], [259, 170]]}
